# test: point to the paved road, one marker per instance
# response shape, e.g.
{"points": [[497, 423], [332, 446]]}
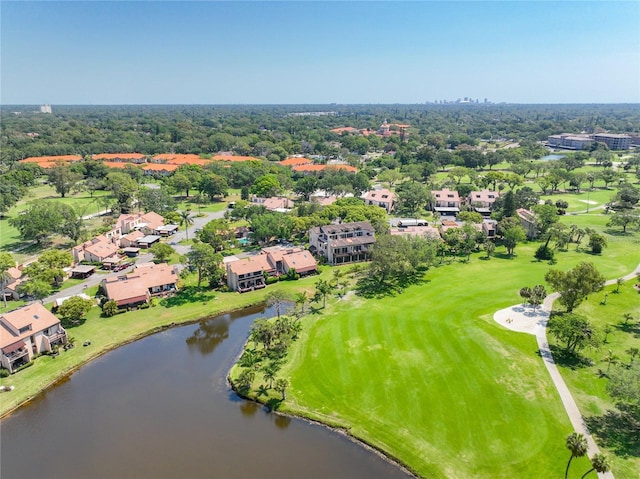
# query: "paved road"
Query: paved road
{"points": [[518, 318], [97, 278]]}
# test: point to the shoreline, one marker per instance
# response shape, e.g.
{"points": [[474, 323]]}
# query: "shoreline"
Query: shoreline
{"points": [[68, 372], [341, 430]]}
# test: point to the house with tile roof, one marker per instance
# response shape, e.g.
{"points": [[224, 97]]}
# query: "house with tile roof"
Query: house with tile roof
{"points": [[296, 161], [248, 274], [144, 282], [311, 169], [342, 243], [28, 331], [482, 201], [381, 197], [15, 280], [96, 250], [447, 202]]}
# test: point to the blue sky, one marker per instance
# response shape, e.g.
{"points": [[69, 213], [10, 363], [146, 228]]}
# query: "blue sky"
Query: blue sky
{"points": [[318, 52]]}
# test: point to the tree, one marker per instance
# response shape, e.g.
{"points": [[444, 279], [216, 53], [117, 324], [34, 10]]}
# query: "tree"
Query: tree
{"points": [[123, 188], [525, 294], [36, 288], [6, 263], [546, 215], [608, 176], [624, 219], [470, 217], [597, 242], [63, 178], [213, 186], [624, 386], [74, 308], [323, 289], [512, 237], [203, 259], [162, 252], [538, 293], [576, 284], [186, 221], [281, 386], [412, 197], [40, 221], [301, 300], [276, 298], [157, 200], [574, 330], [390, 176], [305, 186], [110, 308], [610, 358], [50, 266], [599, 463], [489, 247], [266, 186], [577, 445]]}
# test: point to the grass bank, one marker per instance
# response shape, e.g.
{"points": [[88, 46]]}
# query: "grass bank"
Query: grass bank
{"points": [[106, 334], [428, 377]]}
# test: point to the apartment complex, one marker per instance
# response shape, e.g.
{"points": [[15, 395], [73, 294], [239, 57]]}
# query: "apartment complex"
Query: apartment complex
{"points": [[343, 243]]}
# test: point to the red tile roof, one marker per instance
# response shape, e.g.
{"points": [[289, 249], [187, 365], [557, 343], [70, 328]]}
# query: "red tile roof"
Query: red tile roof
{"points": [[34, 315], [314, 168], [118, 156], [233, 158], [296, 161]]}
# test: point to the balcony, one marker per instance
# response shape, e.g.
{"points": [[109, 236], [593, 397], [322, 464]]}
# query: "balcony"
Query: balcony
{"points": [[58, 335], [17, 354]]}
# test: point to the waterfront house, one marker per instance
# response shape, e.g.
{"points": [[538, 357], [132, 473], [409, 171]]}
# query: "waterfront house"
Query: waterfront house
{"points": [[145, 281], [26, 332]]}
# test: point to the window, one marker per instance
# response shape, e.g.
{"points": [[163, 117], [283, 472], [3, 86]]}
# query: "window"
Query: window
{"points": [[25, 329]]}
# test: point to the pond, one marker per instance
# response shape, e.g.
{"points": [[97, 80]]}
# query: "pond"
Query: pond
{"points": [[161, 408]]}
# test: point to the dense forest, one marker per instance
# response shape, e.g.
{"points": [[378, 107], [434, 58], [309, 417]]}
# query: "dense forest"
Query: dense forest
{"points": [[274, 132]]}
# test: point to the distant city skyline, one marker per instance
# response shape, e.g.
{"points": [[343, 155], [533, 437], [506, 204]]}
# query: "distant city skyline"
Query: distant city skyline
{"points": [[64, 53]]}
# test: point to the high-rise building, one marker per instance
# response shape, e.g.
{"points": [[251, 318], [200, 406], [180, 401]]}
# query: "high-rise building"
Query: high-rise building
{"points": [[45, 109]]}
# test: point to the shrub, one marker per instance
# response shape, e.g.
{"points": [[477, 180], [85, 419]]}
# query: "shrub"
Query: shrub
{"points": [[154, 302], [145, 306], [110, 308], [272, 279], [4, 373], [544, 253]]}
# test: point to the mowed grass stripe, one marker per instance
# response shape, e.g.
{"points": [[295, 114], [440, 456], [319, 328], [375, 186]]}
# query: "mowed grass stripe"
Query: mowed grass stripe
{"points": [[430, 378]]}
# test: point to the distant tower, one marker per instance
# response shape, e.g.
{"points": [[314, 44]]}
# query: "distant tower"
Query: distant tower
{"points": [[45, 109]]}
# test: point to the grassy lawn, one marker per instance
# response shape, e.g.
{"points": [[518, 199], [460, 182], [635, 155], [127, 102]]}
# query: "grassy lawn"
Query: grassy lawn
{"points": [[82, 202], [428, 377], [579, 201], [203, 208], [109, 333], [589, 387]]}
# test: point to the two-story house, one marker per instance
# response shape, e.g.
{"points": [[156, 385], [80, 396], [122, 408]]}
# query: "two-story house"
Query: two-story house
{"points": [[144, 282], [384, 198], [482, 201], [343, 243], [26, 332], [447, 202], [249, 273]]}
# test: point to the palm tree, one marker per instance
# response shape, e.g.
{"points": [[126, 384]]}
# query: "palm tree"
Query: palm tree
{"points": [[619, 282], [281, 386], [301, 300], [186, 220], [270, 374], [627, 317], [323, 288], [577, 444], [599, 463], [610, 358]]}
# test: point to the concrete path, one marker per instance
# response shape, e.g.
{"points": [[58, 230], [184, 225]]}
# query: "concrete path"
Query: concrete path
{"points": [[534, 321]]}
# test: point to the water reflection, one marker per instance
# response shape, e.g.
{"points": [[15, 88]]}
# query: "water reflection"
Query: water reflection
{"points": [[119, 416], [248, 408], [210, 333], [281, 422]]}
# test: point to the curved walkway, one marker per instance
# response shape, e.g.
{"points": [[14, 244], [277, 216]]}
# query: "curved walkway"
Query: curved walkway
{"points": [[534, 321]]}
